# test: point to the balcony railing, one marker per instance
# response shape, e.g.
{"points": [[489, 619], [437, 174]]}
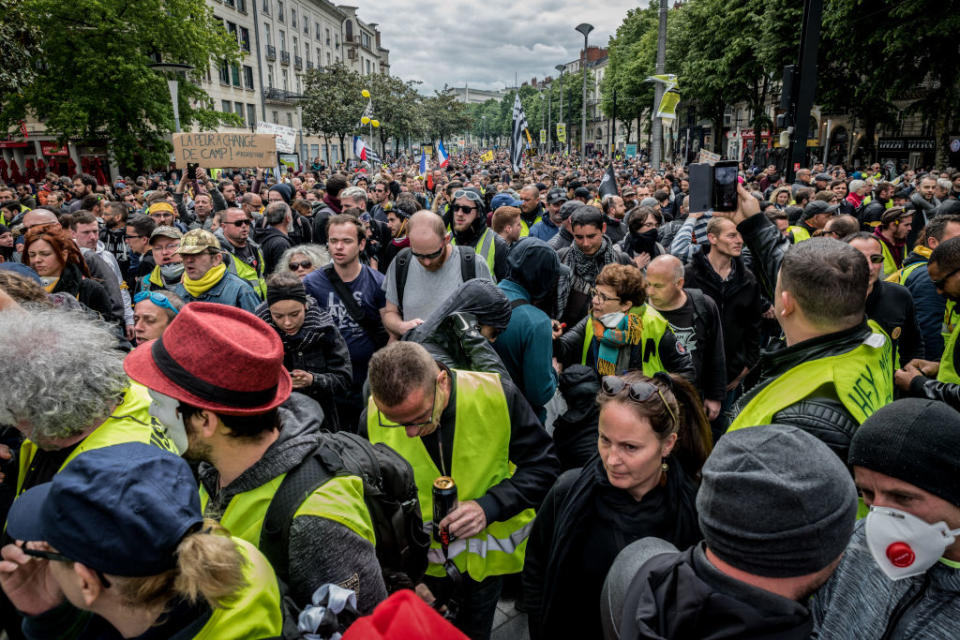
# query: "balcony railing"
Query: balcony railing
{"points": [[271, 52], [281, 96], [284, 57], [297, 63]]}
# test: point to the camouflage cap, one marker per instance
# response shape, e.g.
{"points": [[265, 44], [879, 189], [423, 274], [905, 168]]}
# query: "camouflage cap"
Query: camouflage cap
{"points": [[165, 231], [198, 241]]}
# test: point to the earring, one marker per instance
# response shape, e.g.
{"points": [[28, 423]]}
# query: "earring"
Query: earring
{"points": [[664, 467]]}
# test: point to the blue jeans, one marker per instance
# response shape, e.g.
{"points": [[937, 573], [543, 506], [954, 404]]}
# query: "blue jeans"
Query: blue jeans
{"points": [[477, 600]]}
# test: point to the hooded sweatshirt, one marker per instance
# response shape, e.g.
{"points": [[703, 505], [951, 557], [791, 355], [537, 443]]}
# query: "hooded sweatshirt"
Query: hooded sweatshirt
{"points": [[321, 550]]}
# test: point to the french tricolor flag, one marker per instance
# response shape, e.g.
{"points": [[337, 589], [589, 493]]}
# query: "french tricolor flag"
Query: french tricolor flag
{"points": [[443, 159]]}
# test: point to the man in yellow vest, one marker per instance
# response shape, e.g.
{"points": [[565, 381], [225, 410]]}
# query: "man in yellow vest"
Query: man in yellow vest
{"points": [[247, 258], [531, 209], [815, 216], [66, 394], [939, 380], [477, 430], [837, 368], [470, 229], [892, 232], [217, 375]]}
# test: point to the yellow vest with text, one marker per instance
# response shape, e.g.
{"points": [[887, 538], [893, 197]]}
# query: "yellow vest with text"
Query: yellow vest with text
{"points": [[339, 499], [254, 611], [654, 326], [252, 276], [862, 379], [487, 249], [130, 422], [799, 233], [480, 460]]}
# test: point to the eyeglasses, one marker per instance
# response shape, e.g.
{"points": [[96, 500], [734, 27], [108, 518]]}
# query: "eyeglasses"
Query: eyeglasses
{"points": [[595, 293], [240, 223], [640, 392], [173, 246], [59, 557], [942, 281], [306, 264], [876, 258], [464, 193], [416, 425], [157, 299], [428, 256], [461, 207]]}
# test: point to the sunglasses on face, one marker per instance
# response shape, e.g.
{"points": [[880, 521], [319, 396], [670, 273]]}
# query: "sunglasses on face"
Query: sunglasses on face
{"points": [[133, 237], [639, 392], [942, 281], [876, 258], [306, 264], [240, 223], [59, 557], [428, 256], [460, 207]]}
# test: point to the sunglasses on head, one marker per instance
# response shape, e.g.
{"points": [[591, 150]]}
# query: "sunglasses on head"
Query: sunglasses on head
{"points": [[306, 264], [639, 392], [155, 298], [464, 193]]}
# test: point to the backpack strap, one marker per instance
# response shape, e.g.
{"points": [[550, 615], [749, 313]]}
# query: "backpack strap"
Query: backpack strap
{"points": [[468, 263], [403, 267], [519, 302], [312, 472], [373, 329]]}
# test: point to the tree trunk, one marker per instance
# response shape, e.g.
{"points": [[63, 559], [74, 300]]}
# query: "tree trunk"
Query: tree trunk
{"points": [[343, 149]]}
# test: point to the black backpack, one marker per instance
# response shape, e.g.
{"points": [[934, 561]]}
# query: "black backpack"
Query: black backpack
{"points": [[468, 269], [389, 491]]}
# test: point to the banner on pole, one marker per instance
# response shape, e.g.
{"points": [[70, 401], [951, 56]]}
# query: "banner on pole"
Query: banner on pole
{"points": [[561, 132], [286, 136]]}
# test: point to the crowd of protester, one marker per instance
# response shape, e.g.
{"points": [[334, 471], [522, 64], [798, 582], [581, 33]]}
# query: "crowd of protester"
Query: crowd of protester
{"points": [[234, 404]]}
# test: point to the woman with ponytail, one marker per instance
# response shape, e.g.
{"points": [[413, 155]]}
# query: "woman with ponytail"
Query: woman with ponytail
{"points": [[653, 437], [115, 547]]}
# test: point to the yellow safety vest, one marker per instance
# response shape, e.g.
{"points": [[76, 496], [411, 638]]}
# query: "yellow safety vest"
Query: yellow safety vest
{"points": [[890, 265], [654, 326], [254, 611], [486, 247], [480, 460], [130, 422], [253, 277], [900, 276], [947, 372], [339, 499], [524, 229], [799, 233], [861, 378]]}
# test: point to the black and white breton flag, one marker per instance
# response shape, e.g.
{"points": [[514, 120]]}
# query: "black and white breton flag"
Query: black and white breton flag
{"points": [[517, 143]]}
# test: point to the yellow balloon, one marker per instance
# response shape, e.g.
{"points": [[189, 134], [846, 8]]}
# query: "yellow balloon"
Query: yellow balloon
{"points": [[365, 120], [365, 93], [375, 123]]}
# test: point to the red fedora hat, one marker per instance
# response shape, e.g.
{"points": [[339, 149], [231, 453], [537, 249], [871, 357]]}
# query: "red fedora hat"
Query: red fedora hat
{"points": [[215, 357]]}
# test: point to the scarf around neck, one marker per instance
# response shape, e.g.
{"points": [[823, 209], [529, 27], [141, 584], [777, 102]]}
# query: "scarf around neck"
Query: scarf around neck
{"points": [[614, 331], [197, 288]]}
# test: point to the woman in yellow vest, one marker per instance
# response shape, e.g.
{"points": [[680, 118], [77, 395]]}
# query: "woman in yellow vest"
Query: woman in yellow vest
{"points": [[653, 439], [622, 332], [115, 546]]}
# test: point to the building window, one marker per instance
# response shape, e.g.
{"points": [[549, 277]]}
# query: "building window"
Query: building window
{"points": [[314, 151], [244, 34], [266, 7], [266, 33], [229, 3], [328, 58], [289, 119], [296, 46], [319, 57], [349, 28], [365, 39], [242, 6], [280, 10], [226, 106], [283, 40], [286, 82], [251, 115], [306, 25], [270, 76], [328, 36], [232, 28], [248, 76], [276, 117], [224, 73], [239, 109], [293, 18], [235, 74]]}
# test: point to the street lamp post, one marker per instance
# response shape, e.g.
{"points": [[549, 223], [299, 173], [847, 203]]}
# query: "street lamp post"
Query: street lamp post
{"points": [[483, 131], [172, 84], [585, 29], [560, 69]]}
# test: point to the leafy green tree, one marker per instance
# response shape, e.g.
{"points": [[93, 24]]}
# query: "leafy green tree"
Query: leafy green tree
{"points": [[20, 47], [94, 81], [396, 105], [444, 115], [333, 103]]}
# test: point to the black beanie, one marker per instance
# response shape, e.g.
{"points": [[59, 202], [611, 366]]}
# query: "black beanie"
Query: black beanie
{"points": [[914, 440], [286, 292], [285, 191]]}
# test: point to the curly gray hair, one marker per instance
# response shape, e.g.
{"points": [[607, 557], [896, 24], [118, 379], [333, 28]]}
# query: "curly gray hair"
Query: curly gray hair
{"points": [[316, 252], [62, 373]]}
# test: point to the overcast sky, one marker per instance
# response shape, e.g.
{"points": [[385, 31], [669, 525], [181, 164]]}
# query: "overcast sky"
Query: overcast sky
{"points": [[484, 42]]}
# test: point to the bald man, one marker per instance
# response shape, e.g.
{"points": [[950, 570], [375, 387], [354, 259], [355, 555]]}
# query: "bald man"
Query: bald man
{"points": [[426, 273], [48, 221], [695, 320]]}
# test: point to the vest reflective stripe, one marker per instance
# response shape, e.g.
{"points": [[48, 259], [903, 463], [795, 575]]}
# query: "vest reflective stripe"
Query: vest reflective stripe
{"points": [[799, 234], [248, 273], [862, 379], [654, 326], [486, 247], [130, 422], [889, 264], [900, 276], [524, 229], [342, 495], [253, 611], [480, 460], [948, 372]]}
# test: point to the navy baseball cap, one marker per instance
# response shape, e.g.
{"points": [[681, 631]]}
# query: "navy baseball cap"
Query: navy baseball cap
{"points": [[122, 509]]}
